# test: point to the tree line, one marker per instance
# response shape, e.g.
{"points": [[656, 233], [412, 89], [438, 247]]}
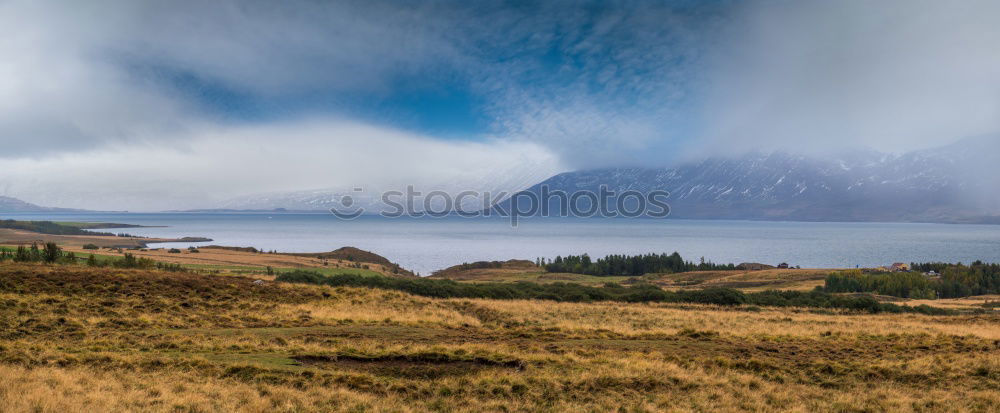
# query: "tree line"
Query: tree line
{"points": [[951, 281], [630, 265], [51, 253]]}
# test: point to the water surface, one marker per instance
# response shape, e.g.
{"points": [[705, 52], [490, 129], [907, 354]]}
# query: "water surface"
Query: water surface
{"points": [[428, 244]]}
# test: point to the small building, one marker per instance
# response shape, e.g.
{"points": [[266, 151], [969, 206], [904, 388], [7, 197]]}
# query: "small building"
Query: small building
{"points": [[899, 267], [783, 266]]}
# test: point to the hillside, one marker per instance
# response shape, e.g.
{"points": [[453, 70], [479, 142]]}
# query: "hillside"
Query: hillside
{"points": [[486, 267], [348, 254], [356, 255]]}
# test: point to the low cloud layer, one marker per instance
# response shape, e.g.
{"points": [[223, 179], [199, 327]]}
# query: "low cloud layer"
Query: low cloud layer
{"points": [[217, 164]]}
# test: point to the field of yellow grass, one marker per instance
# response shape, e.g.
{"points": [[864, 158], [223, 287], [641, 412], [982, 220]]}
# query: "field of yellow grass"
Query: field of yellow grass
{"points": [[16, 237], [235, 261], [209, 259], [74, 338], [775, 279]]}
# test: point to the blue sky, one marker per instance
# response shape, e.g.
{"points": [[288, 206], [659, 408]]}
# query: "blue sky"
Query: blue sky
{"points": [[447, 109], [483, 73]]}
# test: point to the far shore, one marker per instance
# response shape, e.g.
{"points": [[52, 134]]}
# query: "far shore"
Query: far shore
{"points": [[16, 237]]}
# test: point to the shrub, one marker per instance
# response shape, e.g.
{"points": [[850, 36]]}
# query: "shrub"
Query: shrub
{"points": [[720, 296], [130, 261], [174, 251], [955, 280], [91, 247], [52, 252]]}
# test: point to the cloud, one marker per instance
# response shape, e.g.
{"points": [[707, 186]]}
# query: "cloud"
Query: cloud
{"points": [[815, 76], [286, 48], [110, 76], [221, 163], [83, 75], [602, 86], [87, 87], [56, 96], [111, 105]]}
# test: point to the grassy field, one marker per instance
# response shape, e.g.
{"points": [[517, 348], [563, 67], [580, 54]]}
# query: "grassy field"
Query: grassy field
{"points": [[238, 262], [775, 279], [226, 262], [539, 276], [15, 236], [772, 279], [74, 338]]}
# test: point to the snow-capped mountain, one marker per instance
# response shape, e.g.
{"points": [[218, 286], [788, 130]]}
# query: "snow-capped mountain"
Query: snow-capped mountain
{"points": [[955, 183], [948, 184]]}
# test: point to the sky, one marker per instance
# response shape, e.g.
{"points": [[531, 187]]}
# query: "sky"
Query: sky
{"points": [[145, 105]]}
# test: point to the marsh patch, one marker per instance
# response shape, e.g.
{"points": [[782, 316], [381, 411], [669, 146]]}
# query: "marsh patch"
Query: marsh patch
{"points": [[427, 366]]}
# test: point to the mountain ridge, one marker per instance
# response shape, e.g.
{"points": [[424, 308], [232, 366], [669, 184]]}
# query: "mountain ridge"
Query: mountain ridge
{"points": [[920, 186]]}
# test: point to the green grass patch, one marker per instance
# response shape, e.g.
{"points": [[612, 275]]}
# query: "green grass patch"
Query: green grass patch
{"points": [[100, 258], [333, 271], [252, 269]]}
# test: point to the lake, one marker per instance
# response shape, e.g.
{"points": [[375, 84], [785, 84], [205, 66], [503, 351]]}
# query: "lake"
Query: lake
{"points": [[428, 244]]}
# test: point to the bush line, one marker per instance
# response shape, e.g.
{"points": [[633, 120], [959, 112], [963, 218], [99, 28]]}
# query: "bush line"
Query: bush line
{"points": [[569, 292]]}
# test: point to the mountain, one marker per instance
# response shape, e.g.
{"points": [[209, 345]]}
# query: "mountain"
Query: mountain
{"points": [[8, 204], [955, 183]]}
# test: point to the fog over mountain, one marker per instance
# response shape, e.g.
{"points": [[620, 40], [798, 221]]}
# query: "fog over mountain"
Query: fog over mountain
{"points": [[8, 204], [954, 183]]}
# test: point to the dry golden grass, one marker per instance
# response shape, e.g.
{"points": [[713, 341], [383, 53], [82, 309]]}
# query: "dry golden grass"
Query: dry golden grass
{"points": [[523, 273], [17, 237], [209, 257], [228, 258], [80, 339], [963, 303], [773, 279], [639, 319]]}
